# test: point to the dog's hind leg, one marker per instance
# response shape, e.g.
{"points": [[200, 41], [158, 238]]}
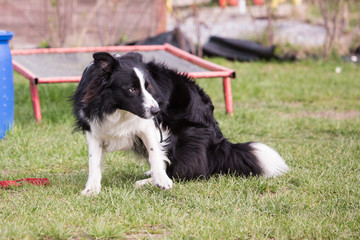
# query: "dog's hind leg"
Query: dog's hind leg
{"points": [[93, 185], [189, 156]]}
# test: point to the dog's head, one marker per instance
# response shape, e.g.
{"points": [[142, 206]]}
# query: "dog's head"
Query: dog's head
{"points": [[120, 83]]}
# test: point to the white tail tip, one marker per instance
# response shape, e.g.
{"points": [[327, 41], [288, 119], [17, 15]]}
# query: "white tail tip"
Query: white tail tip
{"points": [[270, 161]]}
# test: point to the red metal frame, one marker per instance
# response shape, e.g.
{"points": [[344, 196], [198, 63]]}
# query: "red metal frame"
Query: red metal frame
{"points": [[214, 69]]}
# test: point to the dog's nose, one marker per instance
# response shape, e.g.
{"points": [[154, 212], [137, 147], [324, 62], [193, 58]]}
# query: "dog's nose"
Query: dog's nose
{"points": [[154, 111]]}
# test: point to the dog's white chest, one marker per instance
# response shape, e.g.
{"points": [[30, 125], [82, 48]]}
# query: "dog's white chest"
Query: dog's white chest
{"points": [[119, 130], [118, 143]]}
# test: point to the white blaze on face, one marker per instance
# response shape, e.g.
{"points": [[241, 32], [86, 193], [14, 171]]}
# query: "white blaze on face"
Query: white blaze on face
{"points": [[148, 100]]}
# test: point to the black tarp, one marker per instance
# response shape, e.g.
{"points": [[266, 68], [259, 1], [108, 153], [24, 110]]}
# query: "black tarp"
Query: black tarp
{"points": [[175, 38], [235, 49]]}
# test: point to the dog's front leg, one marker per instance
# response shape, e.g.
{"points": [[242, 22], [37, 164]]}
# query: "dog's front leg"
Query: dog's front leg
{"points": [[93, 185], [157, 158]]}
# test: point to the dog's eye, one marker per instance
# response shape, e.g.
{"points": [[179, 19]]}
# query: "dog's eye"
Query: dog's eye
{"points": [[132, 90]]}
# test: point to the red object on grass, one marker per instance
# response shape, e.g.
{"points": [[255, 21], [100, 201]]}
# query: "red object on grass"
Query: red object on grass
{"points": [[5, 184], [17, 183]]}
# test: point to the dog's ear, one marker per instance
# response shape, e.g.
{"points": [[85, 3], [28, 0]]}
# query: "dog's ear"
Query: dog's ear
{"points": [[105, 61]]}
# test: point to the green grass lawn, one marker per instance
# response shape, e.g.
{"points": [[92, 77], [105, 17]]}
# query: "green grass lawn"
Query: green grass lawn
{"points": [[305, 110]]}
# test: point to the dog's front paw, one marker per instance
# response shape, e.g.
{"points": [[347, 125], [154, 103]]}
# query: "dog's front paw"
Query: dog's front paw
{"points": [[161, 180], [91, 190]]}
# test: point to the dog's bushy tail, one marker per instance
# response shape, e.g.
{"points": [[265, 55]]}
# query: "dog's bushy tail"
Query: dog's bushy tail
{"points": [[246, 159]]}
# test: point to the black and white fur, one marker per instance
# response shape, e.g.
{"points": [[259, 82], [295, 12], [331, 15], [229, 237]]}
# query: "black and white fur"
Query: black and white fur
{"points": [[123, 103]]}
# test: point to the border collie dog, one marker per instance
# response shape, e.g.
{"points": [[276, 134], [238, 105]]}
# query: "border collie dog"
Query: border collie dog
{"points": [[124, 103]]}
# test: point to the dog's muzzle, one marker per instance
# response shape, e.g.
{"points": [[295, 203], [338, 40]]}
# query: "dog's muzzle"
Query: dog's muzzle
{"points": [[154, 111]]}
